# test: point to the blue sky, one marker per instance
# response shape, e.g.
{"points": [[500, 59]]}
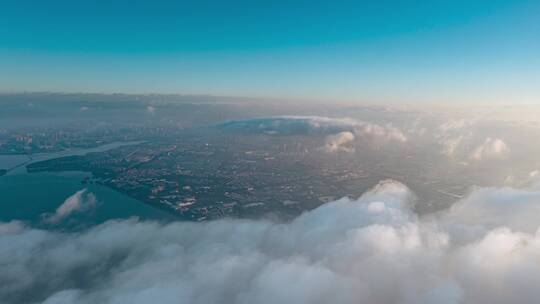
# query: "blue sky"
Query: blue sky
{"points": [[360, 51]]}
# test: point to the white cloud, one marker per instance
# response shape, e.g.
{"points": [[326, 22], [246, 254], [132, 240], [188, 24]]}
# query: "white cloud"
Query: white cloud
{"points": [[454, 136], [527, 180], [378, 133], [317, 125], [491, 148], [151, 109], [78, 202], [339, 142], [370, 250], [454, 125], [518, 209], [451, 145]]}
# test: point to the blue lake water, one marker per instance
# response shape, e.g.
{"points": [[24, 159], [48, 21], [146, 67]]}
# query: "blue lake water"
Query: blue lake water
{"points": [[28, 196]]}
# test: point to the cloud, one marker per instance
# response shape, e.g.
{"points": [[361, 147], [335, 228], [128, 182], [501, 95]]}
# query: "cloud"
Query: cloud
{"points": [[491, 148], [452, 126], [451, 145], [289, 125], [523, 180], [339, 142], [454, 136], [78, 202], [378, 133], [489, 208], [373, 249], [460, 138], [463, 139], [151, 109], [318, 125]]}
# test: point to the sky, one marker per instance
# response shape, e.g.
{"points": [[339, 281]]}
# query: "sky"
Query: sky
{"points": [[457, 52]]}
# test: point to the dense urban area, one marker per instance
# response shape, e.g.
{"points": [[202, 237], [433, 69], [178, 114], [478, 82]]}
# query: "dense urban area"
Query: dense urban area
{"points": [[269, 166]]}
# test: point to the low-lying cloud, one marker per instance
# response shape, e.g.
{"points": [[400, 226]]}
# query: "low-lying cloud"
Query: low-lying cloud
{"points": [[151, 109], [341, 142], [81, 201], [451, 145], [373, 249], [378, 133], [289, 125], [367, 132], [491, 148]]}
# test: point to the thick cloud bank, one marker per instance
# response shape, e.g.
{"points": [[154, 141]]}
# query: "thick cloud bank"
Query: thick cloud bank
{"points": [[287, 125], [486, 249]]}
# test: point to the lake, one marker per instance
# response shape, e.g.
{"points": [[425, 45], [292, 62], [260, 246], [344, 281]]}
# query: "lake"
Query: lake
{"points": [[28, 196]]}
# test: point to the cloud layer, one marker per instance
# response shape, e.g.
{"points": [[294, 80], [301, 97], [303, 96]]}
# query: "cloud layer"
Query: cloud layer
{"points": [[335, 128], [370, 250], [287, 125]]}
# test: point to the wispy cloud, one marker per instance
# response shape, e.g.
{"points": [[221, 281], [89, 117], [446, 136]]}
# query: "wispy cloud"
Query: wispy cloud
{"points": [[339, 142], [334, 128], [491, 148], [78, 202]]}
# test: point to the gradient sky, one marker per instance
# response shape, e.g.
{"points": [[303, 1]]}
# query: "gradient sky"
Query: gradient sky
{"points": [[366, 51]]}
